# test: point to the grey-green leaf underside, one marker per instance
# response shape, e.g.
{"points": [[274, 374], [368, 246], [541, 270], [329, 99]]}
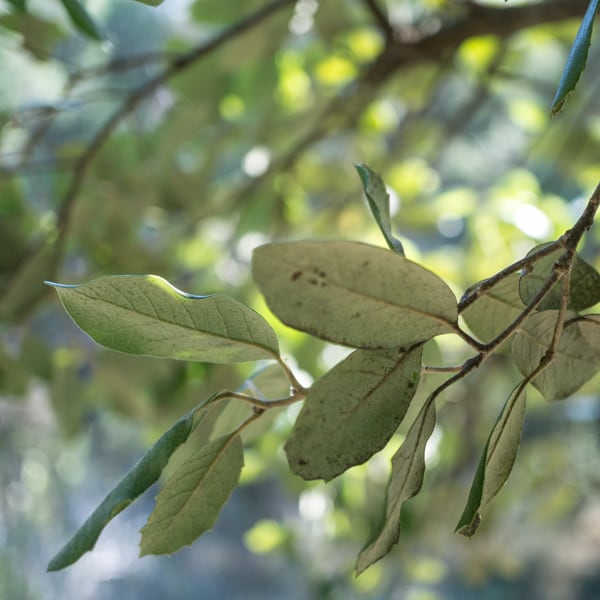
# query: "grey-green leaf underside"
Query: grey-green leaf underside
{"points": [[496, 461], [408, 470], [353, 294], [577, 355], [352, 411]]}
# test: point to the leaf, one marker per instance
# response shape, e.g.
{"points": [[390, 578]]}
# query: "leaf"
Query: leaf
{"points": [[20, 5], [496, 461], [353, 411], [137, 481], [495, 309], [353, 294], [151, 2], [81, 19], [189, 503], [577, 356], [408, 470], [144, 314], [576, 60], [584, 284], [379, 203]]}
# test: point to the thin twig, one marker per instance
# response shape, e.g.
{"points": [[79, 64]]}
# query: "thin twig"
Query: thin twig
{"points": [[380, 17]]}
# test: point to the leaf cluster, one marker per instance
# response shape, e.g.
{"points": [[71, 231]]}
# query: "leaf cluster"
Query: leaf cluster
{"points": [[386, 308]]}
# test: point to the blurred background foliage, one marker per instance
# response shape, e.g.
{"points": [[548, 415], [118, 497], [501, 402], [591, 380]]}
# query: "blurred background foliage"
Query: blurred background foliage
{"points": [[254, 141]]}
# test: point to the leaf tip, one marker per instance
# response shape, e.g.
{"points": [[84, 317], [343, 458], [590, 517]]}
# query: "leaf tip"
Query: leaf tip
{"points": [[469, 529]]}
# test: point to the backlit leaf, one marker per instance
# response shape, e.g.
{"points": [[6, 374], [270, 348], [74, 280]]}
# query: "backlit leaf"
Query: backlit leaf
{"points": [[190, 501], [577, 356], [584, 285], [353, 294], [144, 314], [495, 309], [137, 481], [576, 60], [379, 203], [352, 411], [496, 461], [408, 470]]}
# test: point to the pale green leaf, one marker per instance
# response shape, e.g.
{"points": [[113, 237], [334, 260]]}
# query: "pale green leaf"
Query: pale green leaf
{"points": [[352, 411], [408, 470], [496, 461], [353, 294], [577, 356], [137, 481], [584, 285], [144, 314], [81, 19], [576, 60], [190, 501], [379, 203], [495, 309]]}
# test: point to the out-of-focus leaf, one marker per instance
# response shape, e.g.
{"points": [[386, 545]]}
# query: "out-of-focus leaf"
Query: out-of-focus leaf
{"points": [[379, 203], [352, 411], [20, 5], [406, 479], [81, 19], [584, 286], [144, 314], [353, 294], [189, 503], [137, 481], [496, 461], [151, 2], [576, 60], [577, 356], [495, 309]]}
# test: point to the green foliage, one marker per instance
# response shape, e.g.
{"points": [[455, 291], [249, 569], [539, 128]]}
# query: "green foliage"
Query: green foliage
{"points": [[358, 295], [378, 199], [577, 59], [496, 461], [146, 315], [190, 501], [138, 480], [81, 19], [155, 152]]}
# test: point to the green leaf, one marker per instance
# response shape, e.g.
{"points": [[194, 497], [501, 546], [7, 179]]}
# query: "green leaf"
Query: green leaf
{"points": [[408, 470], [379, 203], [576, 60], [353, 411], [189, 503], [137, 481], [20, 5], [495, 309], [353, 294], [496, 461], [144, 314], [577, 356], [151, 2], [584, 286], [81, 19]]}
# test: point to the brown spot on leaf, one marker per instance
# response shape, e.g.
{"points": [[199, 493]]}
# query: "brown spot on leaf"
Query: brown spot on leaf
{"points": [[296, 275]]}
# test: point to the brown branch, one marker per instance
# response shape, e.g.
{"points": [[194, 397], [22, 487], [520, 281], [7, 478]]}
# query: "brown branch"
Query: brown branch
{"points": [[175, 67], [379, 17]]}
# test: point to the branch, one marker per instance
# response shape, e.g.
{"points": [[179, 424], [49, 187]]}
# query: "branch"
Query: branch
{"points": [[379, 17], [175, 67]]}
